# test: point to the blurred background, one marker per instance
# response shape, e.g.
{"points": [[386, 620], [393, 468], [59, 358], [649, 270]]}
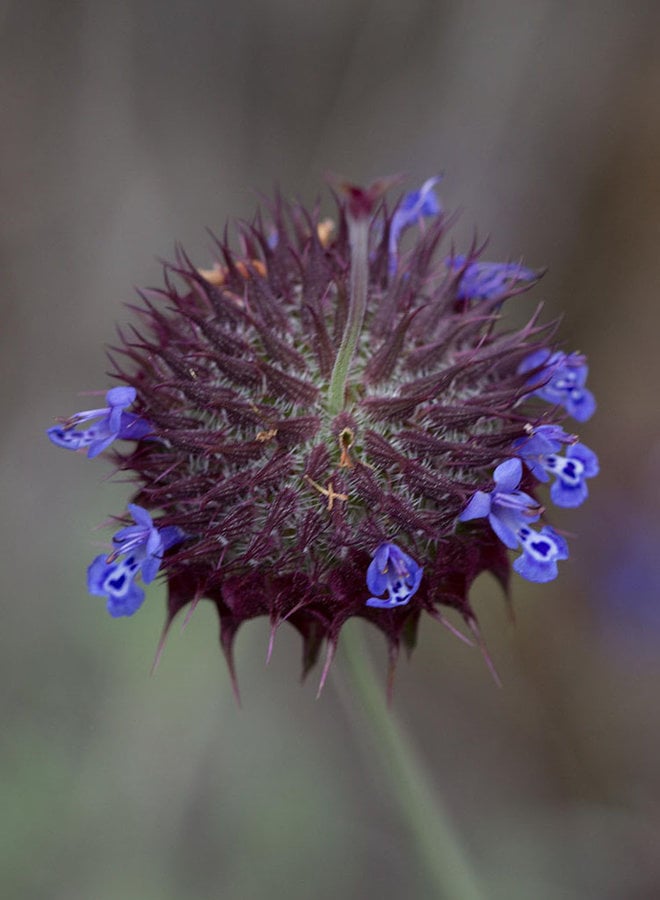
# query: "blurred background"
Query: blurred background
{"points": [[127, 126]]}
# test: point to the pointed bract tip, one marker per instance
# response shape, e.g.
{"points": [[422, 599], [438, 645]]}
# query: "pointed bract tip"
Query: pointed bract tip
{"points": [[227, 635], [161, 646], [329, 656], [474, 628]]}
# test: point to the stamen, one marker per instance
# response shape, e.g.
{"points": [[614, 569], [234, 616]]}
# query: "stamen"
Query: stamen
{"points": [[328, 492], [345, 443]]}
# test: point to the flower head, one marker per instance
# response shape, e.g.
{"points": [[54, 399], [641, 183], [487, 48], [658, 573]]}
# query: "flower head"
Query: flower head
{"points": [[111, 423], [309, 416]]}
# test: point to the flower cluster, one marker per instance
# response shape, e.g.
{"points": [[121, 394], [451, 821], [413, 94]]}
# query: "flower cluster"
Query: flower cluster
{"points": [[322, 418], [509, 510]]}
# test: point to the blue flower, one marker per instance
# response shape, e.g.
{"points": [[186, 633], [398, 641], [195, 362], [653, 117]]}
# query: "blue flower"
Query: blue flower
{"points": [[566, 384], [415, 206], [485, 280], [393, 571], [541, 551], [508, 509], [542, 441], [138, 549], [541, 454], [570, 489], [115, 581], [113, 423]]}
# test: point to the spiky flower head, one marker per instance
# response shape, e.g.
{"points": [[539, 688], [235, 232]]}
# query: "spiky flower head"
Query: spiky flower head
{"points": [[334, 421]]}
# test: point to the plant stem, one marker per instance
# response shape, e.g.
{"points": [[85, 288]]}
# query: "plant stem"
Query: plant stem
{"points": [[436, 842], [358, 235]]}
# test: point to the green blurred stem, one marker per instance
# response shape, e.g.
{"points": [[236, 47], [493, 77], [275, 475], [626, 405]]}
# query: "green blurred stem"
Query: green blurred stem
{"points": [[358, 235], [435, 839]]}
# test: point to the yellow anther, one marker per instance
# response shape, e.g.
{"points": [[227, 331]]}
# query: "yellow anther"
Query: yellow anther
{"points": [[324, 231], [218, 274], [258, 267], [215, 276]]}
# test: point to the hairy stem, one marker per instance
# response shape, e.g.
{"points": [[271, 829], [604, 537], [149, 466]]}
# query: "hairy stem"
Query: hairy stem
{"points": [[441, 855], [358, 233]]}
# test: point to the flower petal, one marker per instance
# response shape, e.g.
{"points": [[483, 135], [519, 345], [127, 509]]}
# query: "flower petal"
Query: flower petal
{"points": [[507, 475], [541, 551], [478, 507]]}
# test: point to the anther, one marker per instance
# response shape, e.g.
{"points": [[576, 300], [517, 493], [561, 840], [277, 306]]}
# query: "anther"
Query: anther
{"points": [[324, 231]]}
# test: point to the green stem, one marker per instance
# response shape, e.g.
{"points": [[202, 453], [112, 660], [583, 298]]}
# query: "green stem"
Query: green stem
{"points": [[358, 235], [435, 838]]}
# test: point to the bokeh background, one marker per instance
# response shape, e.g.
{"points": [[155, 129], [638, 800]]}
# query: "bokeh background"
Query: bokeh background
{"points": [[131, 124]]}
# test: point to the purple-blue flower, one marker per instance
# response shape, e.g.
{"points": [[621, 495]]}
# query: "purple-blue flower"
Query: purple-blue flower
{"points": [[541, 453], [113, 423], [570, 488], [116, 582], [508, 509], [415, 206], [393, 571], [541, 551], [540, 442], [138, 550], [485, 280], [566, 383]]}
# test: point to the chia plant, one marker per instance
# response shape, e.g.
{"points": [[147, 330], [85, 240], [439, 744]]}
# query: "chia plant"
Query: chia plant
{"points": [[335, 420]]}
